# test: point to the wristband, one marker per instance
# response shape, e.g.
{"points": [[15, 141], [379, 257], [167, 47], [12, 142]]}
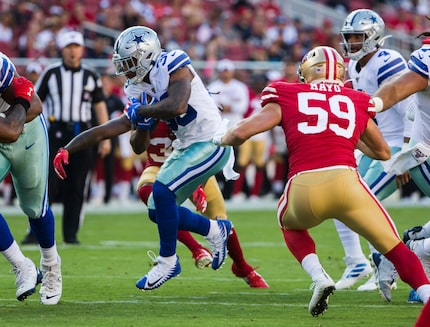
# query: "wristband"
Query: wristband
{"points": [[379, 104], [23, 102], [217, 140]]}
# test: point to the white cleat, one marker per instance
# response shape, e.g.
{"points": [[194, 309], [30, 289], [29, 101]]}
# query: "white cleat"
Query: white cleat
{"points": [[52, 286], [370, 285], [323, 288], [27, 276], [354, 272]]}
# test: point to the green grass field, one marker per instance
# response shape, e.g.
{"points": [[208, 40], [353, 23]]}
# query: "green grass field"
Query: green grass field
{"points": [[99, 280]]}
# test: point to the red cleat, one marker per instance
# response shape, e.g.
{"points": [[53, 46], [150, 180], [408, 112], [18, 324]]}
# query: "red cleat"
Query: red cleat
{"points": [[202, 257], [253, 278]]}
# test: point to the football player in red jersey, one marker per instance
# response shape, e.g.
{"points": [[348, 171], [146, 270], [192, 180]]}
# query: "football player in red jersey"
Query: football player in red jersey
{"points": [[323, 123], [208, 200]]}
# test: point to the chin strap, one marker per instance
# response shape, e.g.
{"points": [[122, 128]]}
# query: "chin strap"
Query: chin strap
{"points": [[381, 42]]}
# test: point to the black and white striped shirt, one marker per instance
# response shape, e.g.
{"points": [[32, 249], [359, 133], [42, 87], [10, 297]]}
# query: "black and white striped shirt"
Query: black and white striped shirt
{"points": [[68, 94]]}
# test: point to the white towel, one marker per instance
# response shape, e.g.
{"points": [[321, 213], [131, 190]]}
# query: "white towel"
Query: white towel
{"points": [[228, 170], [406, 159]]}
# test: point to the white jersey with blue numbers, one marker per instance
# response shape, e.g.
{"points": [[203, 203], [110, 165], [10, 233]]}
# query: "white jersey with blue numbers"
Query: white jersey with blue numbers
{"points": [[419, 63], [7, 71], [202, 118], [383, 66]]}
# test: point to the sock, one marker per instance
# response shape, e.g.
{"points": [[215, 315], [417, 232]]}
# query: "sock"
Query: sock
{"points": [[236, 254], [311, 264], [408, 266], [49, 255], [299, 242], [167, 218], [193, 222], [350, 241], [44, 229], [6, 238], [13, 254], [188, 240], [424, 317], [144, 192]]}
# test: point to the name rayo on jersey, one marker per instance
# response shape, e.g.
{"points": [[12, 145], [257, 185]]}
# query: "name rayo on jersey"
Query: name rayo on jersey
{"points": [[325, 87]]}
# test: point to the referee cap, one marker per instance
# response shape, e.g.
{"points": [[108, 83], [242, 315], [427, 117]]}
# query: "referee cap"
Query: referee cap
{"points": [[71, 37], [34, 67]]}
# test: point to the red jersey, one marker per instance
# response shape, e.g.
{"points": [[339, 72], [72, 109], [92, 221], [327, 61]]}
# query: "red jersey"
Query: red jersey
{"points": [[160, 145], [322, 122]]}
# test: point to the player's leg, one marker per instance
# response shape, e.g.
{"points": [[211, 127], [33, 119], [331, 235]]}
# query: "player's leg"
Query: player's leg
{"points": [[31, 181], [366, 216], [27, 275], [202, 256], [177, 179], [216, 209], [421, 177], [357, 265], [295, 218]]}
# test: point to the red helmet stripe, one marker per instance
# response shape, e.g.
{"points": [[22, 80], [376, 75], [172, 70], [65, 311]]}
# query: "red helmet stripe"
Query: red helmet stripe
{"points": [[331, 64]]}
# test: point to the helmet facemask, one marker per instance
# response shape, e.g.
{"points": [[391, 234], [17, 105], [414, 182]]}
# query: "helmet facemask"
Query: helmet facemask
{"points": [[367, 23], [135, 51]]}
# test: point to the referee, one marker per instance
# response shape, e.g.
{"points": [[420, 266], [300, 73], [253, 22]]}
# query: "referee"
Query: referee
{"points": [[72, 93]]}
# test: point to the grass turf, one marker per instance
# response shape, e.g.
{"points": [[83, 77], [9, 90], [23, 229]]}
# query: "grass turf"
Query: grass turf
{"points": [[99, 280]]}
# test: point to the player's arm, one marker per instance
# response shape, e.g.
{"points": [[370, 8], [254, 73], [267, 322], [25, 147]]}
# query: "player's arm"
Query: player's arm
{"points": [[264, 120], [373, 144], [140, 137], [402, 87], [176, 103], [20, 96], [96, 134], [89, 138]]}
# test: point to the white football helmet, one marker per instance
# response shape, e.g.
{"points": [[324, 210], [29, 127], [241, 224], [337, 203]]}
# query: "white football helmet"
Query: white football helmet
{"points": [[365, 22], [135, 50], [322, 64]]}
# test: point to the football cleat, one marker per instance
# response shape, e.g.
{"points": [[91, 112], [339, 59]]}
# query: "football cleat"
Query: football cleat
{"points": [[218, 243], [27, 276], [417, 246], [370, 285], [354, 272], [52, 284], [386, 276], [253, 278], [414, 233], [202, 257], [160, 273], [413, 297], [323, 288]]}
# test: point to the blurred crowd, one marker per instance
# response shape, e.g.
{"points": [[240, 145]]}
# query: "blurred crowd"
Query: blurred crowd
{"points": [[207, 30]]}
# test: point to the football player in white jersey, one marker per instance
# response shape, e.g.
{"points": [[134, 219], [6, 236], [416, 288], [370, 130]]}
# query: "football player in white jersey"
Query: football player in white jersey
{"points": [[24, 154], [181, 100], [369, 67], [414, 161]]}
